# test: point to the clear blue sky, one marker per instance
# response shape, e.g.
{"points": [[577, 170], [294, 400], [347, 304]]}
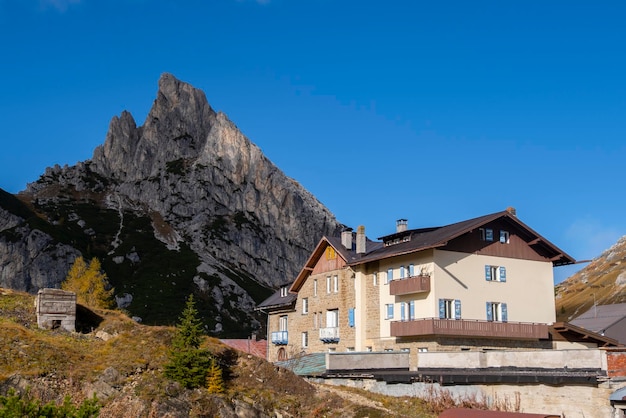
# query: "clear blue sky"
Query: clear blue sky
{"points": [[431, 111]]}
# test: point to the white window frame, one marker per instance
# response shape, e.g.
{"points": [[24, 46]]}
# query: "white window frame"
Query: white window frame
{"points": [[283, 291], [283, 322], [332, 318], [305, 306], [375, 279], [305, 339], [448, 306], [335, 284], [327, 284], [504, 236], [315, 287], [389, 311]]}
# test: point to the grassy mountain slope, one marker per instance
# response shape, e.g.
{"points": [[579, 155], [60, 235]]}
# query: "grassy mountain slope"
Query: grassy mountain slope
{"points": [[122, 362], [603, 281]]}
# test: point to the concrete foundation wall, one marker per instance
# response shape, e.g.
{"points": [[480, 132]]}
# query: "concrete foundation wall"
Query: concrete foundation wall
{"points": [[567, 401], [365, 361], [549, 359]]}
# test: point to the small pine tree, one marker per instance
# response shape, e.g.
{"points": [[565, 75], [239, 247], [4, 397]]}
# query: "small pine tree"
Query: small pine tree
{"points": [[89, 283], [214, 381], [188, 363]]}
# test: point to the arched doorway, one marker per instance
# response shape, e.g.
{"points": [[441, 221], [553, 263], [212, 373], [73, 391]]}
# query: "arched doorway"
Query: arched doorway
{"points": [[282, 354]]}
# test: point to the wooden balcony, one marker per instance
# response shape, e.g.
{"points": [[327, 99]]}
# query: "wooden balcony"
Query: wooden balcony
{"points": [[413, 284], [469, 328]]}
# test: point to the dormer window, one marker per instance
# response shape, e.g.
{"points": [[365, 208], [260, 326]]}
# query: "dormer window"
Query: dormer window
{"points": [[283, 291], [486, 234]]}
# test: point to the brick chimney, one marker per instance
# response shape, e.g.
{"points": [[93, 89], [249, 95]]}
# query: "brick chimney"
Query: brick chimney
{"points": [[360, 240], [346, 238], [512, 211], [401, 225]]}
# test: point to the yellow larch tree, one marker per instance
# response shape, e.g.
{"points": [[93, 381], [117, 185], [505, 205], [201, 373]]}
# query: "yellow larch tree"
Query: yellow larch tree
{"points": [[89, 283]]}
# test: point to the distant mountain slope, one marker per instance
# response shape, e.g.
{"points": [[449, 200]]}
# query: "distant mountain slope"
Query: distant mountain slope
{"points": [[602, 281], [185, 203]]}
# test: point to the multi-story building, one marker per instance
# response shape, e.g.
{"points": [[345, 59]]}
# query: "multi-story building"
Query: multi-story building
{"points": [[484, 283]]}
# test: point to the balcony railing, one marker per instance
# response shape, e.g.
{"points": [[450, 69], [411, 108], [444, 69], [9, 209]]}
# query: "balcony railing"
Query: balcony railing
{"points": [[413, 284], [468, 328], [280, 337], [329, 335]]}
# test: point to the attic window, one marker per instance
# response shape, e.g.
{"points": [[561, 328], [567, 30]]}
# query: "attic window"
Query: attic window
{"points": [[504, 237], [331, 254], [283, 291], [486, 234]]}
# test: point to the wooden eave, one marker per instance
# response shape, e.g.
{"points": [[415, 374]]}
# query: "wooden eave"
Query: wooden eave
{"points": [[569, 332], [311, 262]]}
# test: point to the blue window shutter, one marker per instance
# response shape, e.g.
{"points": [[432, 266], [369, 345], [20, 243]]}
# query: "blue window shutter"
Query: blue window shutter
{"points": [[487, 272], [457, 309], [402, 312], [412, 310], [489, 313], [402, 272], [505, 314], [389, 275], [411, 270], [351, 317], [442, 309], [489, 234], [503, 237], [502, 274]]}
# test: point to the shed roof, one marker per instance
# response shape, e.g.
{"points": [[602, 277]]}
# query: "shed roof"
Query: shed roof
{"points": [[278, 301], [601, 317]]}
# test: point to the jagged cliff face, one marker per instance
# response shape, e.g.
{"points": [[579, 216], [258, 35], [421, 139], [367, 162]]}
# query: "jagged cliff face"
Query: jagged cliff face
{"points": [[183, 203], [30, 259], [602, 281]]}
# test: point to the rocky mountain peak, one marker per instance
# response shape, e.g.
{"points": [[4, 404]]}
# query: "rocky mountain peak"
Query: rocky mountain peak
{"points": [[186, 191], [176, 127]]}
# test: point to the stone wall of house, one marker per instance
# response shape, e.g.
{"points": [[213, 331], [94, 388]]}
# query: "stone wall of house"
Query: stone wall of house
{"points": [[321, 299], [371, 282]]}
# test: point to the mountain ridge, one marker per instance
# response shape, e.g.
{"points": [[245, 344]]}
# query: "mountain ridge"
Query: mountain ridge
{"points": [[601, 282], [186, 201]]}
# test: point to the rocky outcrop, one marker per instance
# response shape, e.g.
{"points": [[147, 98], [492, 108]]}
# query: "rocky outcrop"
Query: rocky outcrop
{"points": [[29, 258], [204, 186]]}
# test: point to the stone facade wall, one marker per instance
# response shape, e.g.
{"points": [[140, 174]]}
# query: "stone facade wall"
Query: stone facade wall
{"points": [[321, 295], [372, 309]]}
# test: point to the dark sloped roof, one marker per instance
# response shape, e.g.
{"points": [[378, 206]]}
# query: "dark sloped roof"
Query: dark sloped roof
{"points": [[428, 238], [601, 317], [276, 301]]}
